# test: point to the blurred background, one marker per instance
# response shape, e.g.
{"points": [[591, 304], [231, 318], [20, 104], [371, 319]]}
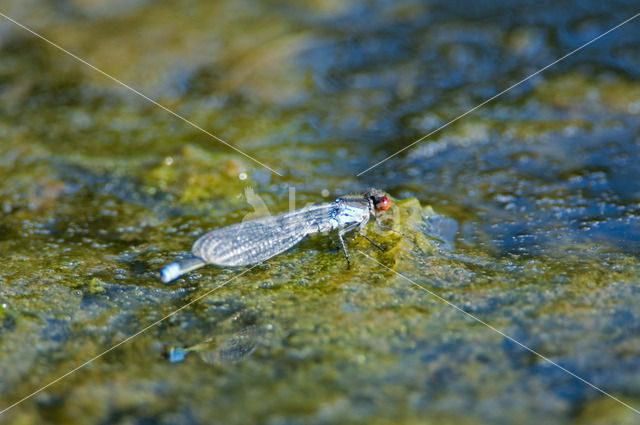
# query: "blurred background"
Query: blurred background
{"points": [[99, 189]]}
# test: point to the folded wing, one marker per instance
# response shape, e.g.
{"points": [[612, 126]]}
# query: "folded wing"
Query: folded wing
{"points": [[253, 241]]}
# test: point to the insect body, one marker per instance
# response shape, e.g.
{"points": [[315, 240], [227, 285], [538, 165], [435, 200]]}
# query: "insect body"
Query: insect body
{"points": [[257, 240]]}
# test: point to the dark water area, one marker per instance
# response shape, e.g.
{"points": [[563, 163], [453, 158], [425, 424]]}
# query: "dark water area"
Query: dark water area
{"points": [[524, 213]]}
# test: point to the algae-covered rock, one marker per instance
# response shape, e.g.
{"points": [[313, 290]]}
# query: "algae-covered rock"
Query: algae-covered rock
{"points": [[418, 230], [99, 189]]}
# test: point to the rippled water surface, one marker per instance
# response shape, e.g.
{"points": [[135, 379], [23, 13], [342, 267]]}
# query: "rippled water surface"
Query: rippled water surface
{"points": [[524, 214]]}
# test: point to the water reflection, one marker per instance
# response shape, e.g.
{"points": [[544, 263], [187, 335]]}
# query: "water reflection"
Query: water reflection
{"points": [[221, 348]]}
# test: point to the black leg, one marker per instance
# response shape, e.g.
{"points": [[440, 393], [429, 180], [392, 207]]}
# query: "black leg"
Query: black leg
{"points": [[372, 242], [344, 249], [341, 232], [385, 227]]}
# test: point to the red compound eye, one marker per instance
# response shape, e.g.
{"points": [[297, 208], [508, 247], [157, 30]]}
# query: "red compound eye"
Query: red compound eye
{"points": [[383, 204]]}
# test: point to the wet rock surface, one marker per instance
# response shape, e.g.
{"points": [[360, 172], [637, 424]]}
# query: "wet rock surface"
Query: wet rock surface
{"points": [[524, 214]]}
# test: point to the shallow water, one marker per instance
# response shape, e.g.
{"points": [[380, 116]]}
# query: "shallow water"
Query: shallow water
{"points": [[100, 189]]}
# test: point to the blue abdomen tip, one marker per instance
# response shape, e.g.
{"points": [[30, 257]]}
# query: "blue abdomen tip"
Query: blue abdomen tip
{"points": [[170, 272]]}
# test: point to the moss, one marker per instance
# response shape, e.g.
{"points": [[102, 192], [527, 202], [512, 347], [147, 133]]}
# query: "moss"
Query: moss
{"points": [[100, 189]]}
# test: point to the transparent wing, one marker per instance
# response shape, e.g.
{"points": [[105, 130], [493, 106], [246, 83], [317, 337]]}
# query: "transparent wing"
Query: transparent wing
{"points": [[253, 241]]}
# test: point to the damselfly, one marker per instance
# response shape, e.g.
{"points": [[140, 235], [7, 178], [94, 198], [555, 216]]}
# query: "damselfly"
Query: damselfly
{"points": [[254, 241]]}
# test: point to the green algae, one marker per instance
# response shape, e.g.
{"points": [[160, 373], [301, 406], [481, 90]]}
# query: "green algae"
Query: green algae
{"points": [[99, 190]]}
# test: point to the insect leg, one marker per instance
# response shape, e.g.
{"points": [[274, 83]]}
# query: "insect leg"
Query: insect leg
{"points": [[372, 242], [385, 227], [344, 248], [361, 227]]}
